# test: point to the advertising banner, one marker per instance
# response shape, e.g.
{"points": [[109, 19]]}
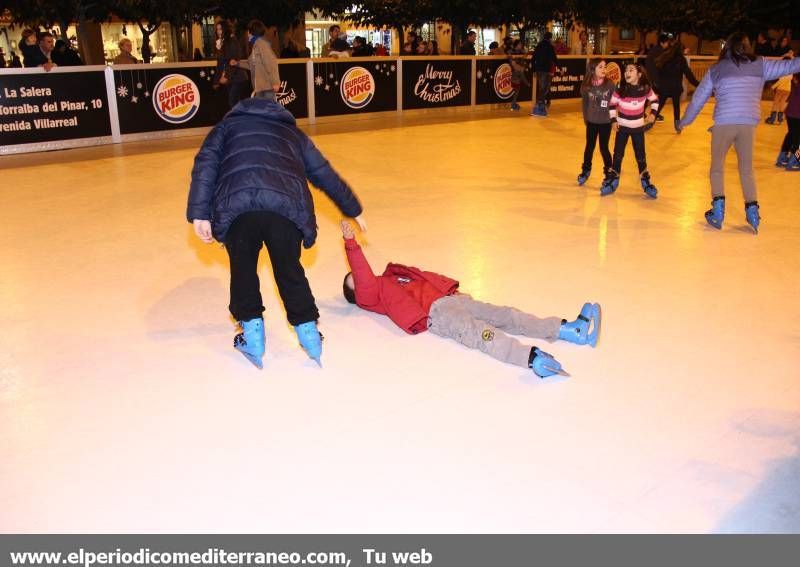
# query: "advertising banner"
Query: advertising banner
{"points": [[51, 107], [293, 94], [163, 98], [436, 83], [615, 67], [494, 84], [352, 87], [566, 83]]}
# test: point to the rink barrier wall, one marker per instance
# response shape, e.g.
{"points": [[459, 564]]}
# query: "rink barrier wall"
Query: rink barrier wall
{"points": [[72, 107]]}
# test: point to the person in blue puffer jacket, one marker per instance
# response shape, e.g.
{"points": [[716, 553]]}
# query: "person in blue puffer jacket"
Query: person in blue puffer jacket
{"points": [[737, 80], [249, 188]]}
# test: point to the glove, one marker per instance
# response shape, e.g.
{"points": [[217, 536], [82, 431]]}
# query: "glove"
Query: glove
{"points": [[543, 364]]}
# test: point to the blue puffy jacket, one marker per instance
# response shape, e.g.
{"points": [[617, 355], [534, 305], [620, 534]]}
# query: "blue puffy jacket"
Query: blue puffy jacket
{"points": [[256, 159]]}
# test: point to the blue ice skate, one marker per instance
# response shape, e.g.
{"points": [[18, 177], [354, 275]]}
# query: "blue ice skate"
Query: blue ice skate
{"points": [[751, 214], [610, 184], [310, 339], [543, 364], [585, 330], [648, 186], [793, 164], [584, 175], [716, 214], [514, 106], [539, 110], [771, 118], [783, 159], [250, 342]]}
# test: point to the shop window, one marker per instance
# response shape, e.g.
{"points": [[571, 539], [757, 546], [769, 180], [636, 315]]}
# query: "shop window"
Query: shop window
{"points": [[627, 34]]}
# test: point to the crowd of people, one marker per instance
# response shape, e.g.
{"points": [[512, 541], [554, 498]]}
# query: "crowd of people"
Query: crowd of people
{"points": [[41, 49]]}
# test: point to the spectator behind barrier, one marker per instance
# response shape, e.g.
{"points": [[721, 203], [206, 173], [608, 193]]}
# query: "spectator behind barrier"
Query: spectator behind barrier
{"points": [[42, 54], [468, 47], [65, 56], [125, 56]]}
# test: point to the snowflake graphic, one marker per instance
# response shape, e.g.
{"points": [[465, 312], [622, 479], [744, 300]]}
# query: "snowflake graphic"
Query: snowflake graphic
{"points": [[122, 91], [318, 81], [479, 74], [134, 99], [393, 68], [202, 74], [138, 85], [327, 87]]}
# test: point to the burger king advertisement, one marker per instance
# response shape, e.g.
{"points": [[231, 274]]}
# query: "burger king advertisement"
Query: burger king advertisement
{"points": [[495, 81], [152, 98], [355, 86]]}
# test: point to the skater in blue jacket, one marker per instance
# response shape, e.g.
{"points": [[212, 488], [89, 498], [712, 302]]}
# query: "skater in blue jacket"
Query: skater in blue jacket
{"points": [[249, 189]]}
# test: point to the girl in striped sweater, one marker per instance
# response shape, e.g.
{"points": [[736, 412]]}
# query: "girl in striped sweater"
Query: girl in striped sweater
{"points": [[628, 107]]}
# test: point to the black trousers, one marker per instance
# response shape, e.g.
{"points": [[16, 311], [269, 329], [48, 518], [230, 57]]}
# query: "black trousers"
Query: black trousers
{"points": [[676, 104], [621, 141], [238, 91], [248, 233], [593, 133], [791, 143]]}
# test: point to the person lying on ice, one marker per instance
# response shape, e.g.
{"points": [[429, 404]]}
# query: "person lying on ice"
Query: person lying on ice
{"points": [[418, 301]]}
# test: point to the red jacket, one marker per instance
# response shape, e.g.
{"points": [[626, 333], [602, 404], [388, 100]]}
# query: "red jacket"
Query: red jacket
{"points": [[403, 293]]}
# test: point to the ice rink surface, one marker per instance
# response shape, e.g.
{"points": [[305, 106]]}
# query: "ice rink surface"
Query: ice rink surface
{"points": [[124, 407]]}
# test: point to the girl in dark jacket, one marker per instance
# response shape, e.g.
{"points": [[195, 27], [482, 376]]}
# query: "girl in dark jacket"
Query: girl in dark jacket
{"points": [[235, 79], [672, 67], [596, 92]]}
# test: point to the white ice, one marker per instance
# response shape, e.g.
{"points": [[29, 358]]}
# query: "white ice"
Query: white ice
{"points": [[124, 407]]}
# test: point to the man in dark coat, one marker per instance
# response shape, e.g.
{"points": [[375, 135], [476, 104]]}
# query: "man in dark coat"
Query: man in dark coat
{"points": [[544, 62], [664, 41], [249, 188]]}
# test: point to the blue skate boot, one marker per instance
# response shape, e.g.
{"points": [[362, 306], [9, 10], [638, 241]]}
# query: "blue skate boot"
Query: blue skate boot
{"points": [[610, 183], [793, 164], [539, 110], [648, 186], [584, 175], [783, 159], [514, 106], [310, 339], [716, 214], [250, 342], [543, 364], [771, 119], [751, 214], [585, 330]]}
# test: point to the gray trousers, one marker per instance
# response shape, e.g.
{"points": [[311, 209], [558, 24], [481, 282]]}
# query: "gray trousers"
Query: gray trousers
{"points": [[480, 325], [741, 137]]}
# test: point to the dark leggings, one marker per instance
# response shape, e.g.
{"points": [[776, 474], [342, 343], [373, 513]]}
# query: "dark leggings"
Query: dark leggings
{"points": [[593, 132], [248, 233], [791, 143], [637, 138], [676, 104]]}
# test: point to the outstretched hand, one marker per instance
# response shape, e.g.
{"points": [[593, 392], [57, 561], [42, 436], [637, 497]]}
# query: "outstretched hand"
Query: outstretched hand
{"points": [[347, 230], [362, 224]]}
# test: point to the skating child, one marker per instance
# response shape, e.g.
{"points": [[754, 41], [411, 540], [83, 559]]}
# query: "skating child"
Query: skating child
{"points": [[628, 110], [417, 301], [596, 92], [248, 190], [782, 88], [516, 58], [790, 150]]}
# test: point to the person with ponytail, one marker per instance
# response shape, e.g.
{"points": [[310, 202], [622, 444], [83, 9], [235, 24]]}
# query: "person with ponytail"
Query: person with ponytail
{"points": [[737, 80]]}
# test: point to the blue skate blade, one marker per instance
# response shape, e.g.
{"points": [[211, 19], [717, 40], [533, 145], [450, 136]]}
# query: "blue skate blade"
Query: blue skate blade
{"points": [[257, 362]]}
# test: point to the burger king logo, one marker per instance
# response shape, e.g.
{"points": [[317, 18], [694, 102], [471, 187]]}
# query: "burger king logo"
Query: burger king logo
{"points": [[613, 72], [176, 99], [357, 87], [502, 81]]}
